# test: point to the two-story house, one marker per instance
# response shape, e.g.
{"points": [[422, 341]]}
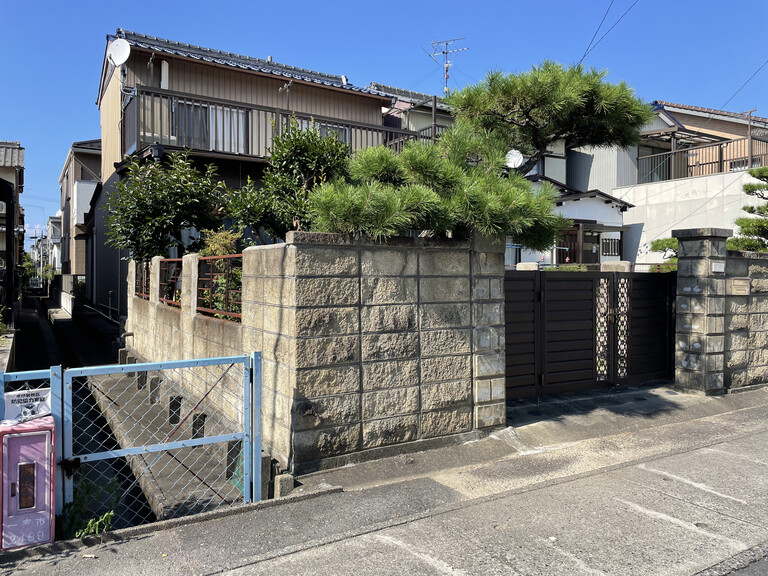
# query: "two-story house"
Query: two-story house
{"points": [[11, 221], [222, 107], [53, 242], [687, 172], [79, 177]]}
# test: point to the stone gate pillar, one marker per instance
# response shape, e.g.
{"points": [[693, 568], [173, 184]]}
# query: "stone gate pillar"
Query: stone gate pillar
{"points": [[700, 330]]}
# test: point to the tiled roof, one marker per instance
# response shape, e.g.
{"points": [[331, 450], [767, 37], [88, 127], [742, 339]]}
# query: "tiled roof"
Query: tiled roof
{"points": [[11, 154], [238, 61], [661, 103], [568, 193], [88, 144], [407, 95]]}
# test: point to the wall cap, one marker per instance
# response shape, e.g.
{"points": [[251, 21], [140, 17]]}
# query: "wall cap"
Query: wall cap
{"points": [[691, 233]]}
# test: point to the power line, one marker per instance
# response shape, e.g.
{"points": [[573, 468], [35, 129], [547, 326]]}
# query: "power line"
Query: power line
{"points": [[609, 29], [586, 50]]}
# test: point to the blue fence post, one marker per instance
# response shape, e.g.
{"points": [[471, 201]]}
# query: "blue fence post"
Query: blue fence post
{"points": [[255, 417], [66, 421], [2, 395], [57, 403], [246, 451]]}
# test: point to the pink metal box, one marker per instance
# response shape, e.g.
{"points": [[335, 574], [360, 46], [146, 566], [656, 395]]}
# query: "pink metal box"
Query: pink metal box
{"points": [[28, 464]]}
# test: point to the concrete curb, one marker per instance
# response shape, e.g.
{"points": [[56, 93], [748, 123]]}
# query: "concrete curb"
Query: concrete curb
{"points": [[126, 533]]}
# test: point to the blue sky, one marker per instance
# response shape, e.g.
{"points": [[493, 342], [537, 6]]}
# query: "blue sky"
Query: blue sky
{"points": [[697, 52]]}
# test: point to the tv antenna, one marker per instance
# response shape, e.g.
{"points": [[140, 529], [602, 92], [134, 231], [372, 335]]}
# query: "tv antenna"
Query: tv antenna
{"points": [[443, 47]]}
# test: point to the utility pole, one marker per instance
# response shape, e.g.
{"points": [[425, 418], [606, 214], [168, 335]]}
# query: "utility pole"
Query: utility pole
{"points": [[443, 47]]}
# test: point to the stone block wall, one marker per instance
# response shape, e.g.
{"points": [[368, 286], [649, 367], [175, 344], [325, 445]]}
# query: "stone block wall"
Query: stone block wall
{"points": [[366, 346], [746, 320], [722, 314]]}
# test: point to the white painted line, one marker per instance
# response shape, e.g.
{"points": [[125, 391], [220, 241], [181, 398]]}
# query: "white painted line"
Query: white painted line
{"points": [[435, 563], [736, 544], [739, 456], [697, 485], [583, 567]]}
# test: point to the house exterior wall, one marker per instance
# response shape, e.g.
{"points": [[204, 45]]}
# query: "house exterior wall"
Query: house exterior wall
{"points": [[225, 83], [603, 169], [703, 202], [79, 205], [367, 347], [111, 145]]}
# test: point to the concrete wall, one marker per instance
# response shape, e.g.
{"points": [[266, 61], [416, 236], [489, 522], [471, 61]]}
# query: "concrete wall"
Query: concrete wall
{"points": [[702, 202], [367, 347]]}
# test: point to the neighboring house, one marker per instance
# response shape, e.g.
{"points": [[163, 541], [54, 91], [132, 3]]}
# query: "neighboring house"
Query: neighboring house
{"points": [[11, 221], [79, 177], [53, 242], [598, 230], [596, 236], [425, 114], [687, 172], [225, 109]]}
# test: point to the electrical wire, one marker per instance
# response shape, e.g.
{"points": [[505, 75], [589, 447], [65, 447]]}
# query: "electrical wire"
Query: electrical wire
{"points": [[608, 31], [586, 50]]}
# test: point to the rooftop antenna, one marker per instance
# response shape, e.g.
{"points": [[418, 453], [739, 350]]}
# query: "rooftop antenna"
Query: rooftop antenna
{"points": [[436, 49]]}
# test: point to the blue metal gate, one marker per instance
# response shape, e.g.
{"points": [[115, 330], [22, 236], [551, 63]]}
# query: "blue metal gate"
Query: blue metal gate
{"points": [[139, 442]]}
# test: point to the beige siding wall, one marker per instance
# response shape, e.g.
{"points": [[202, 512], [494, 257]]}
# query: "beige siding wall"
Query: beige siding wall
{"points": [[239, 86], [110, 128], [723, 128]]}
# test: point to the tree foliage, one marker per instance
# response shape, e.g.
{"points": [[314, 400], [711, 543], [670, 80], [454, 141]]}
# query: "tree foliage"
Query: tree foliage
{"points": [[664, 245], [532, 110], [754, 230], [422, 189], [301, 158], [151, 206]]}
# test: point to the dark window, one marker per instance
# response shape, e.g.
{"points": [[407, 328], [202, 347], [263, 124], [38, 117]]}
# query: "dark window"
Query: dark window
{"points": [[26, 485], [611, 247]]}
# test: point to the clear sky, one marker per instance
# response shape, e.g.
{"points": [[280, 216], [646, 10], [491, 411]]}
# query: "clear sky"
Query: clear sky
{"points": [[697, 52]]}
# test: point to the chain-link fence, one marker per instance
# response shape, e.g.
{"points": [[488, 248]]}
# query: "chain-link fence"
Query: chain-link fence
{"points": [[154, 441]]}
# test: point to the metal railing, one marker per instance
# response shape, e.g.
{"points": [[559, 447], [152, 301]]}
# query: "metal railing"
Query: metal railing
{"points": [[729, 156], [141, 285], [170, 281], [185, 121], [219, 286]]}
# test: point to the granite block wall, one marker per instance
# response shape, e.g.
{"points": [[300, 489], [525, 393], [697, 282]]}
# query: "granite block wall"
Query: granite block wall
{"points": [[722, 314], [366, 346]]}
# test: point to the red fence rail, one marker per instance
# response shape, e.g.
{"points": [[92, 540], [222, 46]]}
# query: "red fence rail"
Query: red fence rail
{"points": [[141, 286], [170, 281], [219, 286]]}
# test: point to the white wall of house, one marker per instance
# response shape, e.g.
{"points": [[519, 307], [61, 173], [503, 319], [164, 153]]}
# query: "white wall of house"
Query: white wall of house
{"points": [[703, 202]]}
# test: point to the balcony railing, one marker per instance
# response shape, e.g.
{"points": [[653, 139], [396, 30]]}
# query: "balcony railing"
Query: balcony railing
{"points": [[170, 281], [181, 120], [729, 156]]}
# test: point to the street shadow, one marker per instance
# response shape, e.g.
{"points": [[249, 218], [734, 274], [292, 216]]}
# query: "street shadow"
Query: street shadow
{"points": [[645, 401]]}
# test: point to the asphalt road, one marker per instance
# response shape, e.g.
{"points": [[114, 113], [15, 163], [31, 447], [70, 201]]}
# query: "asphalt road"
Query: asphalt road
{"points": [[681, 492]]}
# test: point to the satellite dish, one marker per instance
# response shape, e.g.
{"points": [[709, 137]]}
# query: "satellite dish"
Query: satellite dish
{"points": [[118, 52], [514, 159]]}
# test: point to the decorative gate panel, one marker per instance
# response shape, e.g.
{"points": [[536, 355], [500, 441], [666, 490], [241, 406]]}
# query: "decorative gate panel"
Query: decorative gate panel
{"points": [[572, 331]]}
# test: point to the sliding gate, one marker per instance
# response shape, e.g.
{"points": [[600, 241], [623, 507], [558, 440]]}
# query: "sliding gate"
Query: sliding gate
{"points": [[573, 331]]}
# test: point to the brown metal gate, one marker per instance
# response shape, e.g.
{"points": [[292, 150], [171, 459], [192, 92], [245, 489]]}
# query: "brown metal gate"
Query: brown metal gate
{"points": [[572, 331]]}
